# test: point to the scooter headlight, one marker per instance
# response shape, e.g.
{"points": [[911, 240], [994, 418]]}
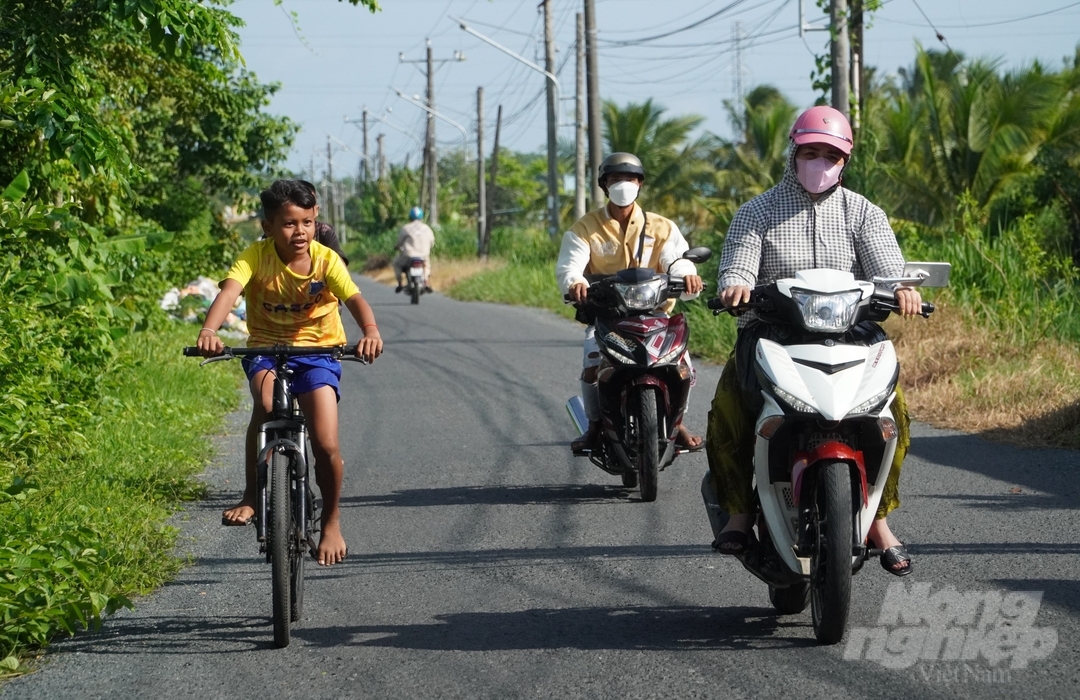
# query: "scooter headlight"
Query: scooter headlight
{"points": [[796, 403], [827, 313], [871, 403], [643, 296]]}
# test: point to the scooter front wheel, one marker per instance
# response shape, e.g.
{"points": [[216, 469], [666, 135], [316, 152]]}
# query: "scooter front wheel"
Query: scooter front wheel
{"points": [[648, 444], [830, 564]]}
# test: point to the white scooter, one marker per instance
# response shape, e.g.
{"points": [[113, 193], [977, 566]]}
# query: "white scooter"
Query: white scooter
{"points": [[825, 435]]}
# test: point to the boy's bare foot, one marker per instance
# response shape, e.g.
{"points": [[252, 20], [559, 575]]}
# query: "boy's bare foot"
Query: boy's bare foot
{"points": [[332, 549], [240, 514]]}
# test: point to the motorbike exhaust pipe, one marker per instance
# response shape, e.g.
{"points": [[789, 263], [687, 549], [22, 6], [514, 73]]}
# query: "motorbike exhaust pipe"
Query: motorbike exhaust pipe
{"points": [[576, 408]]}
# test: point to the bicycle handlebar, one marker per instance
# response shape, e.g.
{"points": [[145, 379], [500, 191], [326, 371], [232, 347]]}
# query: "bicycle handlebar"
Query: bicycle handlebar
{"points": [[339, 352]]}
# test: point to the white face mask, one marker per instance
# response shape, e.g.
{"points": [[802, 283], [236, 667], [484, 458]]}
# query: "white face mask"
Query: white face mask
{"points": [[623, 194]]}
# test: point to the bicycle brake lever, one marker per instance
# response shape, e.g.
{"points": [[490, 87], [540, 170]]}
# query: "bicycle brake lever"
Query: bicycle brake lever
{"points": [[216, 358], [354, 358]]}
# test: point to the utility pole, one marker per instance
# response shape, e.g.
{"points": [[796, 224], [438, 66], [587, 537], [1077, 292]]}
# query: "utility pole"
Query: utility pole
{"points": [[552, 124], [737, 64], [381, 173], [430, 182], [579, 120], [481, 199], [596, 125], [841, 51], [366, 161], [858, 65], [430, 152], [330, 185], [494, 172]]}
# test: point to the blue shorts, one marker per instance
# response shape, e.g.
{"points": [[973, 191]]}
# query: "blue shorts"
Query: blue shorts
{"points": [[309, 371]]}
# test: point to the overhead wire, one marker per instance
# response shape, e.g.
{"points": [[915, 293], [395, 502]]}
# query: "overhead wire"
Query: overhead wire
{"points": [[692, 25]]}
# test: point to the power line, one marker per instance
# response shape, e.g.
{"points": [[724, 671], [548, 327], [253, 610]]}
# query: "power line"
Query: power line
{"points": [[698, 23], [985, 24], [940, 36]]}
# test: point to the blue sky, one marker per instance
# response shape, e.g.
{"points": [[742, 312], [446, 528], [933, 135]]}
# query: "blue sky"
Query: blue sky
{"points": [[337, 58]]}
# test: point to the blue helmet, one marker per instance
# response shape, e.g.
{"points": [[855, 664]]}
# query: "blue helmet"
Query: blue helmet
{"points": [[416, 213]]}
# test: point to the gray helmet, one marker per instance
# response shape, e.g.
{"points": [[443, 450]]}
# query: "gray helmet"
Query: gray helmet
{"points": [[620, 163]]}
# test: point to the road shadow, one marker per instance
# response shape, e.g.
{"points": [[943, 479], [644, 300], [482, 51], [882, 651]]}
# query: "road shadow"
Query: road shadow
{"points": [[484, 558], [562, 494], [175, 635], [594, 629], [1008, 502], [1050, 471], [1060, 428], [1062, 593], [996, 548]]}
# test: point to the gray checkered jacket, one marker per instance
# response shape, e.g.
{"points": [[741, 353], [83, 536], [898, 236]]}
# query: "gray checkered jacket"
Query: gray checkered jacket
{"points": [[782, 231]]}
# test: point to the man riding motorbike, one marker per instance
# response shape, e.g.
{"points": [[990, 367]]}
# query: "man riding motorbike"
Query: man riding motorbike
{"points": [[809, 220], [615, 237], [414, 241]]}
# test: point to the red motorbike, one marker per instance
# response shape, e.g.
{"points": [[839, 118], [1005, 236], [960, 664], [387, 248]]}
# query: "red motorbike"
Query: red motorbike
{"points": [[644, 375]]}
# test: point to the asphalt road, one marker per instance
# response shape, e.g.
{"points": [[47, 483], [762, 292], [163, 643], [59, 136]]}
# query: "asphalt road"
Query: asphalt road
{"points": [[485, 561]]}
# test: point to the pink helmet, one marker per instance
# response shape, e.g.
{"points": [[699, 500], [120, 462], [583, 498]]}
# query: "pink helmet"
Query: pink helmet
{"points": [[823, 125]]}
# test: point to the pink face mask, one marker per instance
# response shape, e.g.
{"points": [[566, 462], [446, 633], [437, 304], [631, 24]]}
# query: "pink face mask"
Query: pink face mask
{"points": [[818, 175]]}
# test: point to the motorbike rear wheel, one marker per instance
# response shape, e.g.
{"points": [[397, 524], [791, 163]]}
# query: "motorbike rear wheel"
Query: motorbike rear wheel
{"points": [[648, 444], [629, 479], [415, 289], [790, 600], [830, 564]]}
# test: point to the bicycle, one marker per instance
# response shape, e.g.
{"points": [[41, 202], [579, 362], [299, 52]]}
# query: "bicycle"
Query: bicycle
{"points": [[285, 508]]}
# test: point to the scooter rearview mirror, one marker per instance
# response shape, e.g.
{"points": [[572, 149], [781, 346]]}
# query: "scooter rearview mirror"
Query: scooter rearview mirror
{"points": [[697, 255]]}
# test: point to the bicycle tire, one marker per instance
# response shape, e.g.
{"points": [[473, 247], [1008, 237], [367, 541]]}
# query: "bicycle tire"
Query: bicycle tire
{"points": [[280, 535], [296, 563]]}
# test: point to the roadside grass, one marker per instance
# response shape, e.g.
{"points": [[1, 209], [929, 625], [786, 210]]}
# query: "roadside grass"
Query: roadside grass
{"points": [[517, 284], [961, 373], [82, 529]]}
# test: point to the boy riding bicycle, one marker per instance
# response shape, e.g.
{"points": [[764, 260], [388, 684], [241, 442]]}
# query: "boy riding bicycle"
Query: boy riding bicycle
{"points": [[293, 286]]}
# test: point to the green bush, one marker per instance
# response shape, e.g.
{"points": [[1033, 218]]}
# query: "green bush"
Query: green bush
{"points": [[82, 523]]}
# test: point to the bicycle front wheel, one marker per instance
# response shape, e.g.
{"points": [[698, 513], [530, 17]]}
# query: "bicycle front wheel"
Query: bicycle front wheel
{"points": [[280, 536]]}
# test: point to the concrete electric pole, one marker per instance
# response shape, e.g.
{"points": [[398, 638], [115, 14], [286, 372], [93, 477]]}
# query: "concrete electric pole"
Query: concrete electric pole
{"points": [[552, 124], [430, 182], [579, 121], [481, 196], [596, 123], [841, 51]]}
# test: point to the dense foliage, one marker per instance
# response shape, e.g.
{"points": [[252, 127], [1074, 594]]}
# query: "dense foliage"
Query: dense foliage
{"points": [[127, 126]]}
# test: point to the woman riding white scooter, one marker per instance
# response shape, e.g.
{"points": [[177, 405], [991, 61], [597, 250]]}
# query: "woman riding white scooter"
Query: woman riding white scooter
{"points": [[808, 220]]}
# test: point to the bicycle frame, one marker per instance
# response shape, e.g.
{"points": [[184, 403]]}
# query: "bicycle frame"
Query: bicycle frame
{"points": [[289, 435]]}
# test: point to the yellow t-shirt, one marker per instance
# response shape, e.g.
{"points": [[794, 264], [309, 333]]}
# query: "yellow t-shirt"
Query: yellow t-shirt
{"points": [[284, 308]]}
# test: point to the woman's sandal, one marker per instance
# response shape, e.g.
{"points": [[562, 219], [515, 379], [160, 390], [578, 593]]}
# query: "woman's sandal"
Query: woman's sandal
{"points": [[896, 555], [735, 537]]}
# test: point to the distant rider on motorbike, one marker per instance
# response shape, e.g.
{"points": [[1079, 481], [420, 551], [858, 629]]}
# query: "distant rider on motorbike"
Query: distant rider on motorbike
{"points": [[414, 241], [615, 237], [809, 220]]}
